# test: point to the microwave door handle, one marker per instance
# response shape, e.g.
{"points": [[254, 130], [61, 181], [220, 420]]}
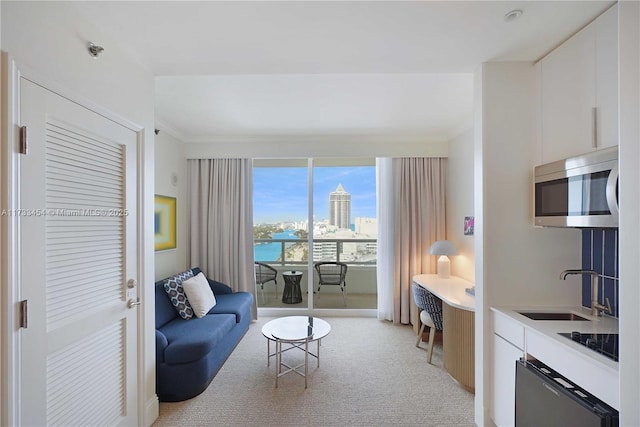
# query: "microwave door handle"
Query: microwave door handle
{"points": [[612, 200]]}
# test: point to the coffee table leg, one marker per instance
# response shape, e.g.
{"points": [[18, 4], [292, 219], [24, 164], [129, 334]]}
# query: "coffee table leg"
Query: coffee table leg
{"points": [[268, 351], [278, 361], [306, 361]]}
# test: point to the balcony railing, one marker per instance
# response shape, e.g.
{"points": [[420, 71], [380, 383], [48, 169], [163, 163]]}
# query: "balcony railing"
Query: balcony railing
{"points": [[296, 251]]}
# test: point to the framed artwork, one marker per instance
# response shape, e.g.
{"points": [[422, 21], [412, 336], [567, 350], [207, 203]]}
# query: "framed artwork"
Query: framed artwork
{"points": [[165, 222], [468, 226]]}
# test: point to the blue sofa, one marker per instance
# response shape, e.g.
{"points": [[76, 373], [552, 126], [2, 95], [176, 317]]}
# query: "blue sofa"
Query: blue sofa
{"points": [[189, 353]]}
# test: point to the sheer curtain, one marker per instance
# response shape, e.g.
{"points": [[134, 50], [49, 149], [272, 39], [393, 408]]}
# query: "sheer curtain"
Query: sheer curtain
{"points": [[385, 212], [411, 215], [220, 230]]}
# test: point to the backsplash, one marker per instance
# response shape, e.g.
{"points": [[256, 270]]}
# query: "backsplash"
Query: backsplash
{"points": [[600, 253]]}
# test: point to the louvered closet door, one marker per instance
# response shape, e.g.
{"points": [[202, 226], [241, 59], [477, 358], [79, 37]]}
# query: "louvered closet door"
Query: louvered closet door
{"points": [[78, 252]]}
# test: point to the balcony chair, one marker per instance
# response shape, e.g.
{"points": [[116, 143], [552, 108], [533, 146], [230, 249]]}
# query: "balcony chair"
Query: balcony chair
{"points": [[332, 273], [430, 314], [264, 274]]}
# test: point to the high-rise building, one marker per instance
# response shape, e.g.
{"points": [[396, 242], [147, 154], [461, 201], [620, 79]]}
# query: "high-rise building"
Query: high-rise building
{"points": [[366, 226], [340, 208]]}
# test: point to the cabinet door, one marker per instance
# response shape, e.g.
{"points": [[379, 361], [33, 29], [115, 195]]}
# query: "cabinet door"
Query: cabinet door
{"points": [[505, 355], [607, 78], [568, 97]]}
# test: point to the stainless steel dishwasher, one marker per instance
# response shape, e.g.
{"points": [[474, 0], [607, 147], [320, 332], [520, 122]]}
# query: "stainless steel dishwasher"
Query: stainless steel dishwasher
{"points": [[546, 398]]}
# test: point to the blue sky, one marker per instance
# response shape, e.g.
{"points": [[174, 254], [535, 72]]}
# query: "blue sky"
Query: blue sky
{"points": [[281, 194]]}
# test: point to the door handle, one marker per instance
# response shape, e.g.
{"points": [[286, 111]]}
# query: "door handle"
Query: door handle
{"points": [[131, 303]]}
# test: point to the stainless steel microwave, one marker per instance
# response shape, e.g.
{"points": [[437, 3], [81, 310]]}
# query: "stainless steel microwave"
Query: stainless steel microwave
{"points": [[579, 191]]}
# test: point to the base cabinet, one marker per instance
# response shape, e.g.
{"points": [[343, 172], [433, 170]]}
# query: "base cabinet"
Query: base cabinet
{"points": [[504, 381], [539, 340]]}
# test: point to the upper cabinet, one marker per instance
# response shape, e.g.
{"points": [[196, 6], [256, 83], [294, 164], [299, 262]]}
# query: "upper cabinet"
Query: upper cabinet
{"points": [[579, 93], [607, 78]]}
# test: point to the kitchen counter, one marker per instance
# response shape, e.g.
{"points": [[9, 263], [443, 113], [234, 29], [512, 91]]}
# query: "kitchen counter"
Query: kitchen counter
{"points": [[540, 339], [551, 328]]}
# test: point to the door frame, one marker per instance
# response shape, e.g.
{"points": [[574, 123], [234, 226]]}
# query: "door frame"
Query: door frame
{"points": [[10, 280]]}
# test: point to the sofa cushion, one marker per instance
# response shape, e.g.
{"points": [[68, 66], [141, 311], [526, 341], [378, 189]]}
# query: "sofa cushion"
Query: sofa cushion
{"points": [[173, 287], [238, 303], [199, 294], [192, 340]]}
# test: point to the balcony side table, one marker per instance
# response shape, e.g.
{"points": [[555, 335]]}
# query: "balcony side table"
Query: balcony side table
{"points": [[292, 293]]}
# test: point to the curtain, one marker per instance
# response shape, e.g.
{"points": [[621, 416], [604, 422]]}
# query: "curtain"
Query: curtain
{"points": [[411, 218], [220, 226], [385, 212]]}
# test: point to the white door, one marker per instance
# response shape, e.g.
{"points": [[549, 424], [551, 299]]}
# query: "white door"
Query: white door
{"points": [[78, 253]]}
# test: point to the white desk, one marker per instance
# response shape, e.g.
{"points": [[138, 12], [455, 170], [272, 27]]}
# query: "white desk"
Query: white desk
{"points": [[458, 329], [449, 290]]}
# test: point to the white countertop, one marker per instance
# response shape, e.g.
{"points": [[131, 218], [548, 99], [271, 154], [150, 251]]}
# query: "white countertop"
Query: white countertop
{"points": [[551, 328], [450, 291]]}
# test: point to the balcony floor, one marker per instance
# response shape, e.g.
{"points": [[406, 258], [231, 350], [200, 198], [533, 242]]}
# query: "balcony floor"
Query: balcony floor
{"points": [[326, 300]]}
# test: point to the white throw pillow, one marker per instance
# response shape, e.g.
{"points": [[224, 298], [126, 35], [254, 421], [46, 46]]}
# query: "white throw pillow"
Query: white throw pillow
{"points": [[199, 294]]}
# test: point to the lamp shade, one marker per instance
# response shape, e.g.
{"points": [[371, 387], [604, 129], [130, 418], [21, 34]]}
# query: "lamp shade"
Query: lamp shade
{"points": [[443, 247]]}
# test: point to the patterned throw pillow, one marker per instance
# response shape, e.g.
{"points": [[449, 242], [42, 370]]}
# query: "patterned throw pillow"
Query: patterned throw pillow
{"points": [[173, 287]]}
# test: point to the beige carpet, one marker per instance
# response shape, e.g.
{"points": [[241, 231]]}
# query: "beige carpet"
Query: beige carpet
{"points": [[371, 374]]}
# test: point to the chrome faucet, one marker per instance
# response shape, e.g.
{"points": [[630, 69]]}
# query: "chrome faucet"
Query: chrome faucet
{"points": [[596, 307]]}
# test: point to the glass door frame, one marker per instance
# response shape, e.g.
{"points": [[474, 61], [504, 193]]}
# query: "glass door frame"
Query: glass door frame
{"points": [[310, 309]]}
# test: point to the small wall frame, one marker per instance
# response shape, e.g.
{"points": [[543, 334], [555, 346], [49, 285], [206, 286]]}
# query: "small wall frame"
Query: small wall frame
{"points": [[164, 222], [468, 225]]}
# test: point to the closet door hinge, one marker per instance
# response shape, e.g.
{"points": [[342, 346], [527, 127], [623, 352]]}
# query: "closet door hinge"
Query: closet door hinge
{"points": [[23, 141], [23, 313]]}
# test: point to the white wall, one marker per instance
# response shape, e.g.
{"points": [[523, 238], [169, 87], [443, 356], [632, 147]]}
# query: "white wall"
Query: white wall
{"points": [[317, 146], [169, 160], [478, 205], [460, 203], [516, 263], [57, 51], [629, 321], [48, 42], [522, 262]]}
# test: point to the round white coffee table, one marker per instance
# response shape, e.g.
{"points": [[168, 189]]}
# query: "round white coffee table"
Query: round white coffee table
{"points": [[297, 332]]}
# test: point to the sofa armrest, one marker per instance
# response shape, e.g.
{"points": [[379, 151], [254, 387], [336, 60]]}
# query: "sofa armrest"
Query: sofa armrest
{"points": [[219, 288], [161, 344]]}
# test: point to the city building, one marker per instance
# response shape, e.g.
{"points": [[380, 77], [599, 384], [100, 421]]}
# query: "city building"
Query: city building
{"points": [[366, 226], [340, 208]]}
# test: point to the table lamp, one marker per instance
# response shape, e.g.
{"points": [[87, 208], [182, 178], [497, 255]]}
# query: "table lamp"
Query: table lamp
{"points": [[444, 249]]}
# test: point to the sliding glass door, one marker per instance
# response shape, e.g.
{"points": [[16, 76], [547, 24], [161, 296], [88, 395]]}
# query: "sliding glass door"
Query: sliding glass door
{"points": [[280, 216], [312, 211]]}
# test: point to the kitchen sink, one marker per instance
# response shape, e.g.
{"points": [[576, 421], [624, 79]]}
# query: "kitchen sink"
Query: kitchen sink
{"points": [[552, 316]]}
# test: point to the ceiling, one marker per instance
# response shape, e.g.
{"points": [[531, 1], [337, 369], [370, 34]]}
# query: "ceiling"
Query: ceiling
{"points": [[240, 69]]}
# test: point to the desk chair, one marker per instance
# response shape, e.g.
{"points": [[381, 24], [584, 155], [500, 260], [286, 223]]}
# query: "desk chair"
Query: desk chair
{"points": [[430, 314]]}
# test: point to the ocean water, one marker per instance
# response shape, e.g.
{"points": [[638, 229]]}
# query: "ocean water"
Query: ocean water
{"points": [[269, 252]]}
